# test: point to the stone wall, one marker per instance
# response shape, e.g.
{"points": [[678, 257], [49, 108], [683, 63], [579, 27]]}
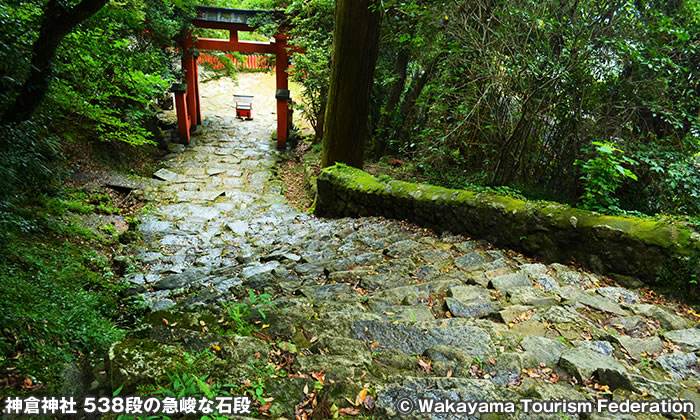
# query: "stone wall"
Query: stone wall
{"points": [[626, 248]]}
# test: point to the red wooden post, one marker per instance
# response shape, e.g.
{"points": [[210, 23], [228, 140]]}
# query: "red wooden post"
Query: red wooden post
{"points": [[282, 90], [188, 65], [196, 90], [233, 35], [183, 121]]}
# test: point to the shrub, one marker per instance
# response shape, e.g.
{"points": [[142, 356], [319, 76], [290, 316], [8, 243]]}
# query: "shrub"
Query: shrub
{"points": [[602, 175]]}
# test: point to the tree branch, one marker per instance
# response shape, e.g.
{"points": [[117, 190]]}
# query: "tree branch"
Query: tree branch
{"points": [[56, 23]]}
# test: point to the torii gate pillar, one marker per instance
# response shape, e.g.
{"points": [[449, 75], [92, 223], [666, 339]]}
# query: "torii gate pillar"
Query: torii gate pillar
{"points": [[187, 105], [282, 94]]}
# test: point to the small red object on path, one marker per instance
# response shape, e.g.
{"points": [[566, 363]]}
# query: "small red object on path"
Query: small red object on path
{"points": [[244, 106]]}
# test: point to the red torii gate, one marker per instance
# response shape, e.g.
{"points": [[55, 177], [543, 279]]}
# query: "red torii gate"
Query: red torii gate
{"points": [[187, 100]]}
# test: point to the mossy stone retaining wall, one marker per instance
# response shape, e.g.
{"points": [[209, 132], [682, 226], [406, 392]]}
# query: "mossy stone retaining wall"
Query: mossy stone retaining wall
{"points": [[624, 247]]}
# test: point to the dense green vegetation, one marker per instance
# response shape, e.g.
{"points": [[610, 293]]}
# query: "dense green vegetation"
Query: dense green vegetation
{"points": [[518, 97], [513, 94], [104, 78], [516, 93], [592, 103], [61, 298]]}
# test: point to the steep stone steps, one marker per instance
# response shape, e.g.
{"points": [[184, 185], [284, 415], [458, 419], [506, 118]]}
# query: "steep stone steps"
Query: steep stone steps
{"points": [[374, 303]]}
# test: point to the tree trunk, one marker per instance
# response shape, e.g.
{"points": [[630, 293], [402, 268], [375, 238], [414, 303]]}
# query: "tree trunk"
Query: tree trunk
{"points": [[318, 137], [355, 49], [392, 102], [320, 119], [57, 22], [507, 160], [409, 103]]}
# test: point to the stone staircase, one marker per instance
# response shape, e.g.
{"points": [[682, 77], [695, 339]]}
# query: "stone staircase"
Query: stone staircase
{"points": [[376, 304]]}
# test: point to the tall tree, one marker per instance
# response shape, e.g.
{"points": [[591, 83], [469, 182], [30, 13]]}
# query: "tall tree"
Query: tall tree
{"points": [[355, 49], [57, 22], [312, 22]]}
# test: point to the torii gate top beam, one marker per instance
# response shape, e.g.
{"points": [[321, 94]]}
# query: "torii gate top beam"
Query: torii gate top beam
{"points": [[234, 20], [240, 16]]}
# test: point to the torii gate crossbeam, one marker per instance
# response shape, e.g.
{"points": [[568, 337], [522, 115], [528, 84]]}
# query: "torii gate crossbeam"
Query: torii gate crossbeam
{"points": [[187, 100]]}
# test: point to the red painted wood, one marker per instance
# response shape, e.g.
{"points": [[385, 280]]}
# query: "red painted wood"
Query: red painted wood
{"points": [[197, 98], [183, 121], [188, 104], [282, 83], [189, 65], [243, 113], [240, 46]]}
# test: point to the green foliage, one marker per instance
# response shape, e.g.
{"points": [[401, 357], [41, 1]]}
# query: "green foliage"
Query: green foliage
{"points": [[602, 176], [28, 149], [56, 212], [511, 93], [78, 201], [117, 70], [107, 72], [239, 313], [256, 386], [670, 180], [78, 206], [109, 228], [682, 274], [410, 31], [105, 75], [251, 4], [312, 29], [186, 385], [500, 190], [59, 299], [16, 19], [188, 381]]}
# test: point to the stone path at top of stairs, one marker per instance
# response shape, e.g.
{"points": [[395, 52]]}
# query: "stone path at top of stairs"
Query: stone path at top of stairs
{"points": [[375, 301]]}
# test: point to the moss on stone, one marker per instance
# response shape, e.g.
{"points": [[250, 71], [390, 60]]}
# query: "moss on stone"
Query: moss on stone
{"points": [[183, 319], [615, 245], [136, 362]]}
